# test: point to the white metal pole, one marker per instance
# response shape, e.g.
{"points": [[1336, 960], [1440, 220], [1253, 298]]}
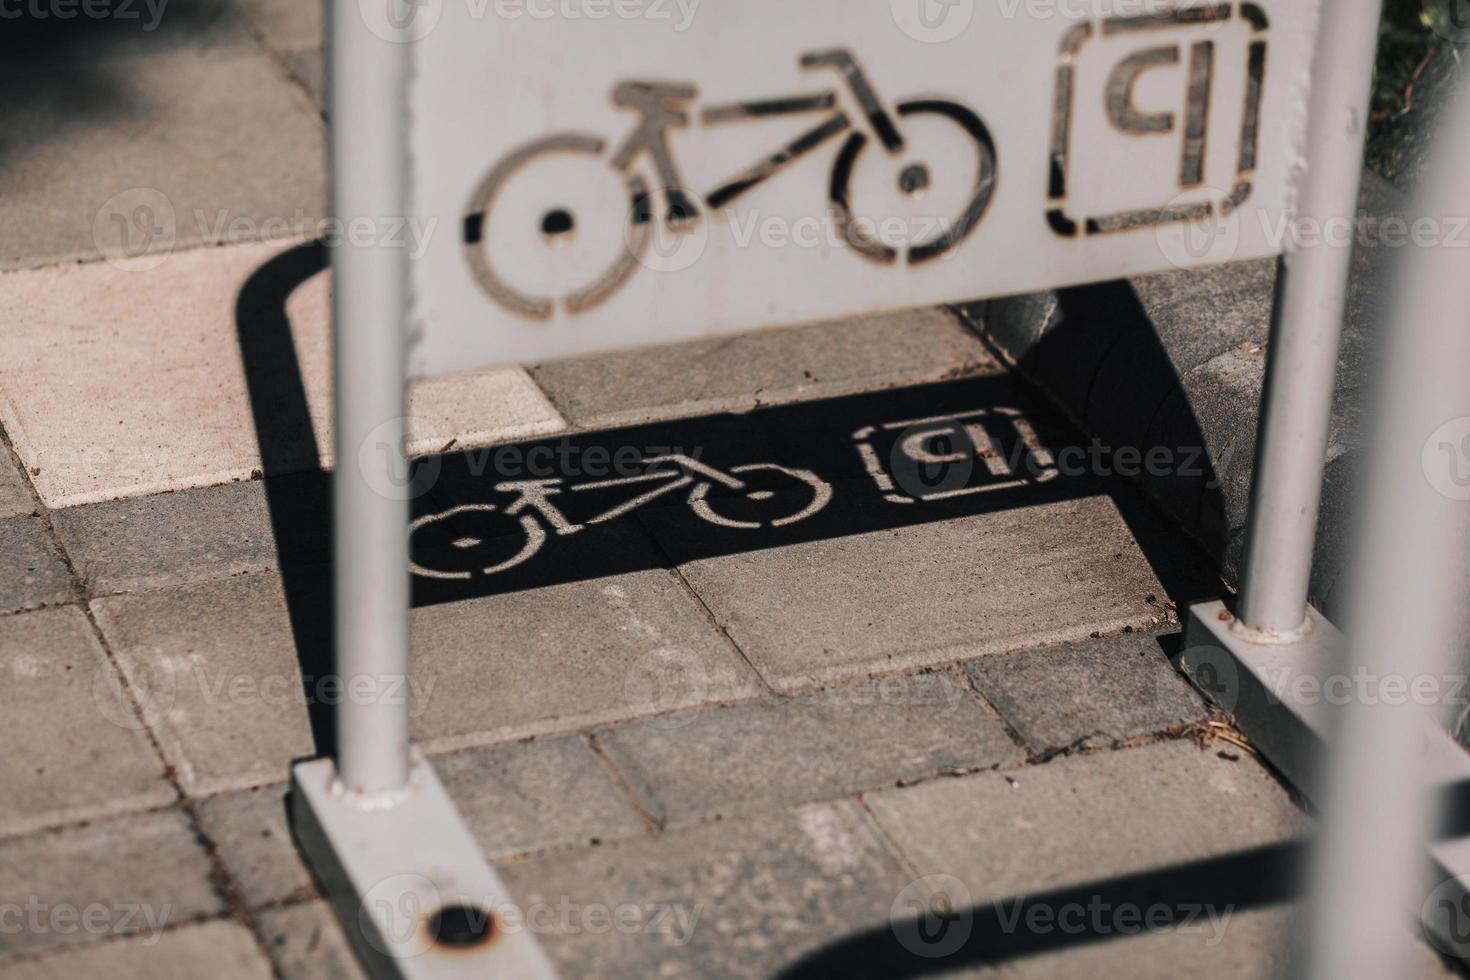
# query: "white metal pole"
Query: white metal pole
{"points": [[1372, 860], [1307, 328], [367, 80]]}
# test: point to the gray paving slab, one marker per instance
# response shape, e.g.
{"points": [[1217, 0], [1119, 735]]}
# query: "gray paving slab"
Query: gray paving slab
{"points": [[214, 665], [739, 898], [147, 872], [1087, 818], [568, 657], [15, 489], [306, 943], [763, 368], [538, 795], [252, 837], [1089, 694], [32, 574], [883, 602], [217, 666], [168, 147], [788, 751], [220, 950], [73, 748], [173, 538], [519, 798]]}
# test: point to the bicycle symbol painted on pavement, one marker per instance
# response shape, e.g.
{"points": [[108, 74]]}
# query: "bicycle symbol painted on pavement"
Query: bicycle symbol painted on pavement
{"points": [[486, 539], [663, 107], [984, 451]]}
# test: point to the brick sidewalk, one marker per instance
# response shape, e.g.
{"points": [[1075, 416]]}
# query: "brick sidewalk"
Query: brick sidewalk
{"points": [[685, 759]]}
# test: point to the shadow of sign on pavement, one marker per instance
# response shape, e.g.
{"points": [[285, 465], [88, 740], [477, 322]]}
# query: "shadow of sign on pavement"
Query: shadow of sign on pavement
{"points": [[571, 508], [580, 506]]}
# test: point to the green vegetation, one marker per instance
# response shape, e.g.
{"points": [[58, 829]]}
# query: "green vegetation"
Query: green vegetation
{"points": [[1416, 66]]}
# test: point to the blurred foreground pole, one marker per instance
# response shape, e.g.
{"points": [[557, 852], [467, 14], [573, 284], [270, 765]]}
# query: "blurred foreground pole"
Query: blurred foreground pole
{"points": [[1306, 331], [1372, 863], [368, 76]]}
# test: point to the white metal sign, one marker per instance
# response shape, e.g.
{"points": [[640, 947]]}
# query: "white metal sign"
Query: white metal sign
{"points": [[613, 173]]}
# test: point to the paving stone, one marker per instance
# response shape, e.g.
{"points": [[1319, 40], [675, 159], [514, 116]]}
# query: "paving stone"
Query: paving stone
{"points": [[286, 24], [253, 839], [215, 668], [763, 368], [221, 950], [888, 601], [74, 750], [1087, 818], [517, 799], [306, 943], [1092, 693], [308, 68], [97, 335], [213, 143], [15, 489], [216, 664], [148, 871], [535, 796], [32, 574], [187, 536], [568, 657], [744, 898], [808, 748]]}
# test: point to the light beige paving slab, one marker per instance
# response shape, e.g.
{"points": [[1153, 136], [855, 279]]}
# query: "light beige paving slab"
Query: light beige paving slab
{"points": [[219, 950], [123, 379], [767, 367], [73, 747]]}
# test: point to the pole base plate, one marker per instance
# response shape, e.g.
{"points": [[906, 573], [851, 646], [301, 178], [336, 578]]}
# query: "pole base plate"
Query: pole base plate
{"points": [[414, 894]]}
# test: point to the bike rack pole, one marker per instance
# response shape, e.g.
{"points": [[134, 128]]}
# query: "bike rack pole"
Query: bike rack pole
{"points": [[1306, 330], [370, 307], [407, 880], [1377, 804]]}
